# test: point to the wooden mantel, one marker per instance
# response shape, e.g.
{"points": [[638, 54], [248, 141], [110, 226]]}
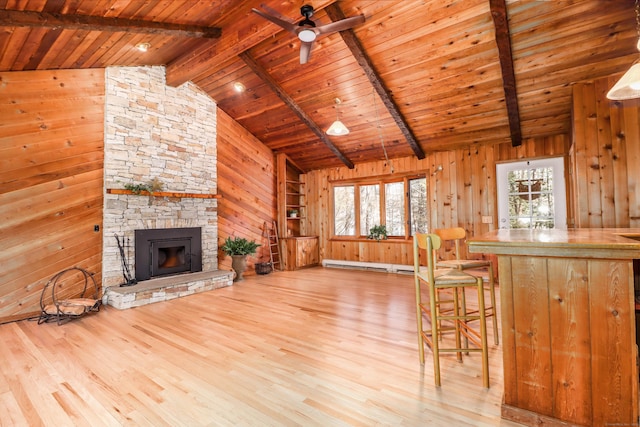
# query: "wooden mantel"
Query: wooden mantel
{"points": [[568, 324], [163, 194]]}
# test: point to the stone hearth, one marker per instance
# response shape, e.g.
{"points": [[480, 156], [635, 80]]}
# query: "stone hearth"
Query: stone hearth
{"points": [[166, 288]]}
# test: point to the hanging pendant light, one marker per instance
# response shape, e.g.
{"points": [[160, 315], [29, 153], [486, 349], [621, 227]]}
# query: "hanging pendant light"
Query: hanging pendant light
{"points": [[337, 128], [628, 87]]}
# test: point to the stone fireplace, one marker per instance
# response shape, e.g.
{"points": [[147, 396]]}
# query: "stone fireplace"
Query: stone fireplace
{"points": [[166, 134]]}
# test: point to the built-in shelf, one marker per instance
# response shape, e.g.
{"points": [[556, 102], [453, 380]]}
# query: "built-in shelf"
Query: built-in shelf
{"points": [[298, 249], [163, 194], [291, 197]]}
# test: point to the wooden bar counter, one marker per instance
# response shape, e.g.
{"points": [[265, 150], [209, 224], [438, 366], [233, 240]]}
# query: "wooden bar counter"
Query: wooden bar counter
{"points": [[568, 324]]}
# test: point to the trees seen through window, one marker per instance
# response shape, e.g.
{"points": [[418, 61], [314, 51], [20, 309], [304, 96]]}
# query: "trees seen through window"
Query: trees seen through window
{"points": [[400, 204]]}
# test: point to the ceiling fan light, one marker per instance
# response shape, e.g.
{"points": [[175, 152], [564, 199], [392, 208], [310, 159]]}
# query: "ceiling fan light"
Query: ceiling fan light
{"points": [[628, 87], [337, 128], [307, 36]]}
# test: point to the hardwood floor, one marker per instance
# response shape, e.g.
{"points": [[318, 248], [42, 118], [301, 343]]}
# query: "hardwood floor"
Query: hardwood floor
{"points": [[315, 347]]}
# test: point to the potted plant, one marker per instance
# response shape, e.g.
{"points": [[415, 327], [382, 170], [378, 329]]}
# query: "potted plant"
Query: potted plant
{"points": [[238, 248], [378, 232], [293, 213]]}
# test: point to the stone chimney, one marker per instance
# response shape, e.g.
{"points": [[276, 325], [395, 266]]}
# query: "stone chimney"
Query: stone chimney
{"points": [[153, 131]]}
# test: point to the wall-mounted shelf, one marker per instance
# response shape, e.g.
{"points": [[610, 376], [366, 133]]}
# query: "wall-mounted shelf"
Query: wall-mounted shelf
{"points": [[163, 194]]}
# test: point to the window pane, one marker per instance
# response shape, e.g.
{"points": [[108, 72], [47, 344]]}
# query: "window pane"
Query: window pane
{"points": [[394, 206], [344, 211], [369, 207], [418, 205], [531, 198]]}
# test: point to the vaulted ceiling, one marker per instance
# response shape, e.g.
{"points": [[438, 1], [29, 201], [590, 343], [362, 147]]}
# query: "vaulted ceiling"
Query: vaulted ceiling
{"points": [[417, 76]]}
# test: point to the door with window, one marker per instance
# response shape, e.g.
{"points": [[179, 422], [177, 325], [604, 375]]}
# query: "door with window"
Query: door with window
{"points": [[532, 194]]}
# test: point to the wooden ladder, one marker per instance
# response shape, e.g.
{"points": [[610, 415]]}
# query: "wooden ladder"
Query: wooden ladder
{"points": [[274, 245]]}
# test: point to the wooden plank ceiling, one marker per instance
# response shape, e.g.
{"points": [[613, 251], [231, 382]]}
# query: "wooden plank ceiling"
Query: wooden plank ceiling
{"points": [[417, 76]]}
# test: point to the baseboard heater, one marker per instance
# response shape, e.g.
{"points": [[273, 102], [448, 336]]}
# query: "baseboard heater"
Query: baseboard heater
{"points": [[368, 266]]}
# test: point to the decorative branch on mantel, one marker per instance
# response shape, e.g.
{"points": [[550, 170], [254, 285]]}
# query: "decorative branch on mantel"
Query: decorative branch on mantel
{"points": [[163, 194]]}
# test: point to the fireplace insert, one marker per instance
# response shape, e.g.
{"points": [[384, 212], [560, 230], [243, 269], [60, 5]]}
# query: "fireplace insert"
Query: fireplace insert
{"points": [[167, 251]]}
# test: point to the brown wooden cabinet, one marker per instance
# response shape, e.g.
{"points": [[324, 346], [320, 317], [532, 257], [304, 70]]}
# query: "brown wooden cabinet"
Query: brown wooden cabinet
{"points": [[299, 250]]}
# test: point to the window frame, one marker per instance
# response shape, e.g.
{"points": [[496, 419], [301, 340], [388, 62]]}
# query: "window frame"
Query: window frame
{"points": [[380, 181]]}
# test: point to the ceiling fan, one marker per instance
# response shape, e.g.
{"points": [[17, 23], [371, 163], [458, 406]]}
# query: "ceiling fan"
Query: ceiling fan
{"points": [[306, 30]]}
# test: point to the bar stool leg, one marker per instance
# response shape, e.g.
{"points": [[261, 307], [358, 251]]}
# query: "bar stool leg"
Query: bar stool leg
{"points": [[435, 346], [494, 314], [483, 333], [464, 313], [419, 321], [457, 321]]}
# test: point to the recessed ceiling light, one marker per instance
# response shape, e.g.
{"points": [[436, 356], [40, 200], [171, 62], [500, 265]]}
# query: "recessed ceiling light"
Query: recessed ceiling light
{"points": [[143, 47], [239, 87]]}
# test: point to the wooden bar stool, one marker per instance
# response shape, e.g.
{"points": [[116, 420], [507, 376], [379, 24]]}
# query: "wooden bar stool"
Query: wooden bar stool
{"points": [[458, 234], [446, 314]]}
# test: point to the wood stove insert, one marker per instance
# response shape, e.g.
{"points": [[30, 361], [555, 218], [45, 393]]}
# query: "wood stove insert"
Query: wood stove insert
{"points": [[167, 251]]}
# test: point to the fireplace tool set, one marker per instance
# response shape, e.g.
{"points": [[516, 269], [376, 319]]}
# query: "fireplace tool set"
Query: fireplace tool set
{"points": [[126, 273]]}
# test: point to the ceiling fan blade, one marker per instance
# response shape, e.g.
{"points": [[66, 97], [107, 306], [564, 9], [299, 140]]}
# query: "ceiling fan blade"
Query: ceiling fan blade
{"points": [[305, 51], [280, 22], [343, 24], [275, 13]]}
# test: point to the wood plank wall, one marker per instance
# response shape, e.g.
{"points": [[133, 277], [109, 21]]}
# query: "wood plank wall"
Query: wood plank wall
{"points": [[605, 157], [247, 184], [51, 158], [459, 195], [51, 185]]}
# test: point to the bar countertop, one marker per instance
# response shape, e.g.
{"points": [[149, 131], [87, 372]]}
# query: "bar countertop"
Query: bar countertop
{"points": [[605, 243]]}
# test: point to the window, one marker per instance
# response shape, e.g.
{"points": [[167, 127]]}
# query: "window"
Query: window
{"points": [[369, 206], [394, 211], [418, 205], [399, 203], [343, 211]]}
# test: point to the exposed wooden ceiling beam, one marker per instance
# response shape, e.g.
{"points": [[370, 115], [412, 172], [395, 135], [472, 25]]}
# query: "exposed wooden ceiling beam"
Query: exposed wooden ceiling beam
{"points": [[262, 73], [19, 18], [503, 39], [335, 13]]}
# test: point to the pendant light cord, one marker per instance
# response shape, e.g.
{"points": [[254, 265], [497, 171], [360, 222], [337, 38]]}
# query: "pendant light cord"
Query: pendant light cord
{"points": [[384, 150], [638, 22], [638, 17]]}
